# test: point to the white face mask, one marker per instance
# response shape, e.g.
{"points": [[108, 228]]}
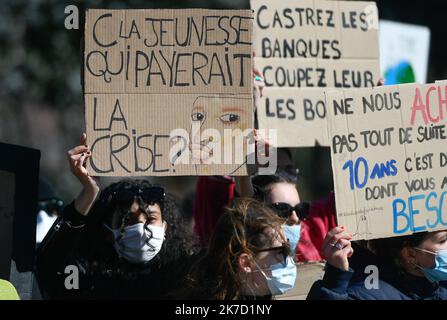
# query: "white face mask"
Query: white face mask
{"points": [[138, 244]]}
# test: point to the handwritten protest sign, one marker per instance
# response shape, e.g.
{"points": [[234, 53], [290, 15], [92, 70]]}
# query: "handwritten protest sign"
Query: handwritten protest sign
{"points": [[312, 44], [389, 158], [19, 175], [166, 91]]}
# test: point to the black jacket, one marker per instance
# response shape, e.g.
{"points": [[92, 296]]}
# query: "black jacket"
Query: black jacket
{"points": [[88, 248]]}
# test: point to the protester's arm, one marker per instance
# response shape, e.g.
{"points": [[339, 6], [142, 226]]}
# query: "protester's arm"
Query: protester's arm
{"points": [[244, 187], [213, 194], [320, 220]]}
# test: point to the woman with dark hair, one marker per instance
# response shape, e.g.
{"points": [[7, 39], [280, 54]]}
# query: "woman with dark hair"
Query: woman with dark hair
{"points": [[412, 267], [248, 257], [132, 242]]}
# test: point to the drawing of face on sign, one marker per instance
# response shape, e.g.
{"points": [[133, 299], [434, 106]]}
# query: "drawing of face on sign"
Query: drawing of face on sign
{"points": [[212, 119]]}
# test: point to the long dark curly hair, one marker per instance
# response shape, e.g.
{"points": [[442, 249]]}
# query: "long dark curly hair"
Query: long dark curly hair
{"points": [[97, 244]]}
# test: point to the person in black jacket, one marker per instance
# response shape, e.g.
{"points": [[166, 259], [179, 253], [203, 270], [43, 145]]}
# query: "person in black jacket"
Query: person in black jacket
{"points": [[132, 242], [410, 267]]}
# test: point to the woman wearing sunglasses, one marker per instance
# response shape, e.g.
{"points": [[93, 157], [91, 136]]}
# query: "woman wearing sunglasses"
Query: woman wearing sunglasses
{"points": [[248, 257], [132, 242], [281, 194]]}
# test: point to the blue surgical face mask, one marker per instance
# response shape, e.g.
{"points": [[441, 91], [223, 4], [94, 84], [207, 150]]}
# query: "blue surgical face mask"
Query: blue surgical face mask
{"points": [[139, 243], [439, 272], [293, 234], [283, 277]]}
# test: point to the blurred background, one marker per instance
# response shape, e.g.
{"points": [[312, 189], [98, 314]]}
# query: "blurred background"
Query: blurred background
{"points": [[41, 103]]}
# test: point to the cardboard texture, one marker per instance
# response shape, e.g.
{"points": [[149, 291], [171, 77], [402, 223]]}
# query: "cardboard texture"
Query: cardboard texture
{"points": [[164, 88], [313, 44], [389, 164]]}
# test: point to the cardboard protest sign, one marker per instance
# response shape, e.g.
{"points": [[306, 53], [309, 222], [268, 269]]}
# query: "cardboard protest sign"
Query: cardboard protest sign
{"points": [[312, 44], [389, 158], [168, 92]]}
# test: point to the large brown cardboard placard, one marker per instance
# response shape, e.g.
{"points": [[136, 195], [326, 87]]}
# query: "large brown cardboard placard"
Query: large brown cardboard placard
{"points": [[163, 87], [284, 112], [312, 44], [389, 158]]}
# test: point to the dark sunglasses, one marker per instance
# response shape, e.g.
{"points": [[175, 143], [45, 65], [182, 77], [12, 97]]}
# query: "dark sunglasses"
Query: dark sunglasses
{"points": [[284, 210], [148, 195]]}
